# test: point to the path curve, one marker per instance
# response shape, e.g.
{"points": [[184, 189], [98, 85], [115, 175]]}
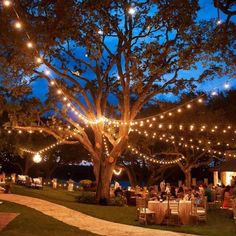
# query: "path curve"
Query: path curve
{"points": [[83, 221]]}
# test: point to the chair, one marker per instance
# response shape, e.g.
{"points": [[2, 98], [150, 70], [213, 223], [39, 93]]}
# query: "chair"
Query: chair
{"points": [[201, 210], [144, 215], [173, 210], [234, 208]]}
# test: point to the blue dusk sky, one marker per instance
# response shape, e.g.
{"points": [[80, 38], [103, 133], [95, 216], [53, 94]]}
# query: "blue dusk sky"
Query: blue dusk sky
{"points": [[40, 87]]}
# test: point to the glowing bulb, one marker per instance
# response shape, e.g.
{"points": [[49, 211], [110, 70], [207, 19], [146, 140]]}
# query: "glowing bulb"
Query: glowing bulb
{"points": [[188, 106], [226, 86], [9, 131], [131, 11], [100, 32], [170, 114], [218, 22], [47, 72], [214, 93], [39, 60], [179, 110], [19, 131], [59, 91], [6, 3], [18, 25], [162, 117], [52, 82], [37, 158], [29, 44], [200, 100]]}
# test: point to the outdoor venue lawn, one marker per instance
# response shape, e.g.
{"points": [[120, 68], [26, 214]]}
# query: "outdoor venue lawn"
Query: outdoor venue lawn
{"points": [[220, 222], [33, 223]]}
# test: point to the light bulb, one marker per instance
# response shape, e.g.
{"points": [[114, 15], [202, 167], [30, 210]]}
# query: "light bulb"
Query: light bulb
{"points": [[47, 72], [188, 106], [18, 25], [6, 3], [52, 82], [218, 22], [29, 44], [200, 100], [131, 11], [226, 86], [100, 32], [39, 60]]}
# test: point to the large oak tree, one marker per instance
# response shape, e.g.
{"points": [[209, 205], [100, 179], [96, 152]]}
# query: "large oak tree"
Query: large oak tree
{"points": [[108, 58]]}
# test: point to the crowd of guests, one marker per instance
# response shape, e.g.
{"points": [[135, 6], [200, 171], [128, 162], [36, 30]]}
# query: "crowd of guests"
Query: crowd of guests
{"points": [[220, 193]]}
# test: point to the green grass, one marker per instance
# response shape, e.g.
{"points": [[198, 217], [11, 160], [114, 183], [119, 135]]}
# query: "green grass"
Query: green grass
{"points": [[220, 222], [33, 223]]}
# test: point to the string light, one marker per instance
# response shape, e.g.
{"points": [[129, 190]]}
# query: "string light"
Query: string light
{"points": [[153, 160], [106, 146], [117, 172]]}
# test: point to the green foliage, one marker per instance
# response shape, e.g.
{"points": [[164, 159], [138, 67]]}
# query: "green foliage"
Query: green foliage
{"points": [[86, 184], [118, 201], [87, 197]]}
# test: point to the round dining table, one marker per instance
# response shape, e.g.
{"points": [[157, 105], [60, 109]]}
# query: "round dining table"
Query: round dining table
{"points": [[160, 209]]}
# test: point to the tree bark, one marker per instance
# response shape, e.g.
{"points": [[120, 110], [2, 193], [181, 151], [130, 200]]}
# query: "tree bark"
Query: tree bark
{"points": [[132, 177], [103, 180], [188, 178]]}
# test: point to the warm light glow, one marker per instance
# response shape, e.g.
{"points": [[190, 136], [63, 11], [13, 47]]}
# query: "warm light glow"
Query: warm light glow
{"points": [[6, 3], [18, 25], [117, 172], [100, 32], [226, 86], [52, 82], [39, 60], [131, 11], [47, 72], [218, 22], [37, 158], [200, 100], [188, 106], [214, 93], [179, 110], [29, 44], [59, 91]]}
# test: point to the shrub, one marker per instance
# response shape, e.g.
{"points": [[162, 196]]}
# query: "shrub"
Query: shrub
{"points": [[86, 184], [87, 197], [118, 201]]}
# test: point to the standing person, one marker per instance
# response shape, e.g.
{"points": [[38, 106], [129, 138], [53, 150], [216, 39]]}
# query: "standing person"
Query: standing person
{"points": [[163, 186]]}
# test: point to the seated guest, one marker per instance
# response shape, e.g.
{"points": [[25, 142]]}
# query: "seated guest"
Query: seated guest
{"points": [[152, 195], [118, 192], [227, 198], [187, 196], [180, 193], [172, 192]]}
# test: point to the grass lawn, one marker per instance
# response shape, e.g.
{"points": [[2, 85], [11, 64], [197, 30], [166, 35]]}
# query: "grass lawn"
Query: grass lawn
{"points": [[220, 222], [33, 223]]}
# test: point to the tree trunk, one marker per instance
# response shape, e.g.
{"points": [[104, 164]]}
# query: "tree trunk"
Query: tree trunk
{"points": [[132, 177], [103, 179], [188, 178], [28, 165]]}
